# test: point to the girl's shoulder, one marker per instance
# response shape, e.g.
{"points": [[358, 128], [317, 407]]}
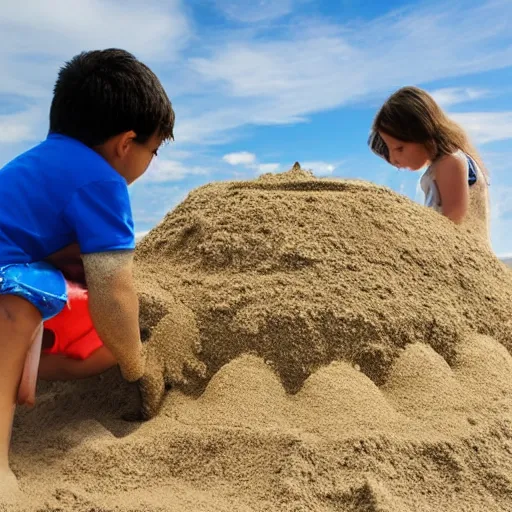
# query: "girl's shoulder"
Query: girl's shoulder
{"points": [[452, 163], [457, 164], [456, 160]]}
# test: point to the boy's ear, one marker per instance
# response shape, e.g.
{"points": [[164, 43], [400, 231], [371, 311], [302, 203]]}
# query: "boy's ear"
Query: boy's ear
{"points": [[124, 142]]}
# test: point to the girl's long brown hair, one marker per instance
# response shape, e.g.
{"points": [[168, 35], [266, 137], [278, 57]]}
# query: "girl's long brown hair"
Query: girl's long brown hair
{"points": [[412, 115]]}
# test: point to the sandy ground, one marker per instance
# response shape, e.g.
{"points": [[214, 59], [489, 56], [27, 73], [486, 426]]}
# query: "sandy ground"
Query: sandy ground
{"points": [[330, 346]]}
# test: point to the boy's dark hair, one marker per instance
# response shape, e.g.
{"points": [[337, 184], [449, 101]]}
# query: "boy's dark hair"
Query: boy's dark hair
{"points": [[102, 93]]}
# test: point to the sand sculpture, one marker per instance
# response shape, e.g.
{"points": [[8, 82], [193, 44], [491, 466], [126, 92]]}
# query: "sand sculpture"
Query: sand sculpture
{"points": [[302, 271]]}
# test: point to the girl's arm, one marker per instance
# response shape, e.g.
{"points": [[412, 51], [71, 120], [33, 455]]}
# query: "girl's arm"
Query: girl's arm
{"points": [[452, 183], [60, 367]]}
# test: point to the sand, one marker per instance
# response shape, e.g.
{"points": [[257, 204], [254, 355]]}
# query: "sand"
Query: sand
{"points": [[314, 345]]}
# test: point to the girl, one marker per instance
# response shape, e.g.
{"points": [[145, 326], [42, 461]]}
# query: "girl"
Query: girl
{"points": [[411, 131]]}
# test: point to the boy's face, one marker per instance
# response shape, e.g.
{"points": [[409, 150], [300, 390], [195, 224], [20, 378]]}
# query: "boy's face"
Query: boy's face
{"points": [[129, 157], [138, 157]]}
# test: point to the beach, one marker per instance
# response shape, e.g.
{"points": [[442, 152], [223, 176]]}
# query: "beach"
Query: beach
{"points": [[314, 345]]}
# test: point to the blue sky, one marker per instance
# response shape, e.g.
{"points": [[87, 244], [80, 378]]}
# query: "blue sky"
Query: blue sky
{"points": [[260, 84]]}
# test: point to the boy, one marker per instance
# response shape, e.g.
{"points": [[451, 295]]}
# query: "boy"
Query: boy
{"points": [[108, 117]]}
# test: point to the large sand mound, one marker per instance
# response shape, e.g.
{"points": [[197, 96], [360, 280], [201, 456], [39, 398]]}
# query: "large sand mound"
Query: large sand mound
{"points": [[331, 346], [302, 271]]}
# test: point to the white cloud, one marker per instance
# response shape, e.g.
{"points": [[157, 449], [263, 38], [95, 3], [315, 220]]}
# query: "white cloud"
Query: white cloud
{"points": [[320, 168], [265, 168], [37, 38], [177, 154], [63, 27], [449, 96], [208, 127], [239, 78], [252, 11], [249, 160], [164, 171], [17, 127], [240, 158], [317, 65], [485, 127]]}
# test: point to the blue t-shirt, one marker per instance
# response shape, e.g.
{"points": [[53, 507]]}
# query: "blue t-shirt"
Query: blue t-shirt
{"points": [[58, 193]]}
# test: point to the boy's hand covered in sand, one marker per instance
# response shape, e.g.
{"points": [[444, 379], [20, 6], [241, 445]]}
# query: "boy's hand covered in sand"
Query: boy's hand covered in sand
{"points": [[171, 358], [114, 308], [151, 386]]}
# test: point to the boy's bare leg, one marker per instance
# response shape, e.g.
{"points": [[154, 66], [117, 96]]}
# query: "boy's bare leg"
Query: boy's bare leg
{"points": [[27, 387], [19, 321], [60, 367]]}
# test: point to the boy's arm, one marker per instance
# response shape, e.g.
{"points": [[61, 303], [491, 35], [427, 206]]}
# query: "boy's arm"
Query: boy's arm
{"points": [[114, 308]]}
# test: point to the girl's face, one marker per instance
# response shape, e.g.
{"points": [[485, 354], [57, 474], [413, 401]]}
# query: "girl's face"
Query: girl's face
{"points": [[406, 155]]}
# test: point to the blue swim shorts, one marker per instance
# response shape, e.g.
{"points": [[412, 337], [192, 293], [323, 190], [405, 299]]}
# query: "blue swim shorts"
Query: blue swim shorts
{"points": [[40, 283]]}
